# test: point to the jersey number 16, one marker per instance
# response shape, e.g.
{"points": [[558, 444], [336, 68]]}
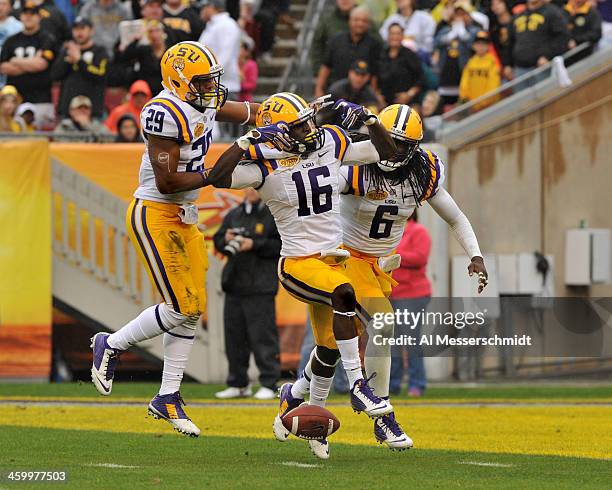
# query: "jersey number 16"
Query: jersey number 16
{"points": [[321, 194]]}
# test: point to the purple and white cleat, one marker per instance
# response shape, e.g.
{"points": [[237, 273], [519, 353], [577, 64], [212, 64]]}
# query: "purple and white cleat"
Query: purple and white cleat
{"points": [[104, 363], [387, 430], [287, 403], [169, 408], [363, 399]]}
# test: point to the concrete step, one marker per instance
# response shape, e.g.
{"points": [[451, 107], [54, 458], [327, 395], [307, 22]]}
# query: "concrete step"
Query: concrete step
{"points": [[267, 85], [274, 68], [298, 11], [284, 48], [284, 31]]}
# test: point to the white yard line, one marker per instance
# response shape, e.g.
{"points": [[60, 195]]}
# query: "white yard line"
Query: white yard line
{"points": [[112, 465], [299, 465], [493, 465]]}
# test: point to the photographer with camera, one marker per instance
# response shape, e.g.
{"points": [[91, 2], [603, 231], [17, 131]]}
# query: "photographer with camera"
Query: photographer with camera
{"points": [[249, 239]]}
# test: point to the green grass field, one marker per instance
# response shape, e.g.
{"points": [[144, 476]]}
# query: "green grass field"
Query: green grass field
{"points": [[194, 390], [485, 437]]}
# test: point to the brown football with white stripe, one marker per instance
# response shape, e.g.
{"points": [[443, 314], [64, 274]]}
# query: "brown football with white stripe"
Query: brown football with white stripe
{"points": [[311, 422]]}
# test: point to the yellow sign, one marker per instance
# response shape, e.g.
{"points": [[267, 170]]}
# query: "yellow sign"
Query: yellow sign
{"points": [[25, 259]]}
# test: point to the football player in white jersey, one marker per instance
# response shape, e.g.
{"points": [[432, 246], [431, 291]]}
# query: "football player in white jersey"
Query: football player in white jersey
{"points": [[375, 204], [162, 219], [300, 185]]}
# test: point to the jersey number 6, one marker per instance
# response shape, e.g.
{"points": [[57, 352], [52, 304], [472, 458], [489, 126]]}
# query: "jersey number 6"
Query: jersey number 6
{"points": [[379, 219]]}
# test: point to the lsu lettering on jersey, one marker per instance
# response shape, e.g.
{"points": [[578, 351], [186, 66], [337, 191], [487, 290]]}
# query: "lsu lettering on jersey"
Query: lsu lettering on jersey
{"points": [[373, 220], [167, 116], [302, 192]]}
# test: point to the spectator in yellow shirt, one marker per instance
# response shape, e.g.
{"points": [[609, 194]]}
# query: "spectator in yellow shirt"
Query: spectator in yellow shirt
{"points": [[9, 100], [481, 74]]}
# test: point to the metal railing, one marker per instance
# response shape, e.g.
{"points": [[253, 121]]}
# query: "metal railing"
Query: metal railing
{"points": [[509, 88], [96, 270], [459, 129], [90, 234], [298, 76]]}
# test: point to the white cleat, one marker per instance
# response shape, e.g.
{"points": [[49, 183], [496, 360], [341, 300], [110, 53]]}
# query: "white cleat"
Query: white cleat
{"points": [[287, 403], [280, 433], [104, 363], [387, 430], [320, 448], [233, 392]]}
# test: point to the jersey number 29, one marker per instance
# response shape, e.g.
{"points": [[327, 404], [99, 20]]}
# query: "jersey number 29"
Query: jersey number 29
{"points": [[154, 121]]}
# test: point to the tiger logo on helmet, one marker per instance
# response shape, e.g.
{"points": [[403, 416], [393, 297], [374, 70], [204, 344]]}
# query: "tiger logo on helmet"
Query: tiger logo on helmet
{"points": [[294, 111], [405, 126], [188, 66]]}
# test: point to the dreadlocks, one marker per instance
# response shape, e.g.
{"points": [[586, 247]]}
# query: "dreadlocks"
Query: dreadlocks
{"points": [[416, 175]]}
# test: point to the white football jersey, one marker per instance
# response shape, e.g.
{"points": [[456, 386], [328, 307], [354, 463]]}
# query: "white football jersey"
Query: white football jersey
{"points": [[301, 191], [373, 221], [168, 116]]}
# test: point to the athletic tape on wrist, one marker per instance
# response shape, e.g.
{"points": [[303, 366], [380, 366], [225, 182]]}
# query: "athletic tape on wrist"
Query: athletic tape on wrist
{"points": [[345, 313]]}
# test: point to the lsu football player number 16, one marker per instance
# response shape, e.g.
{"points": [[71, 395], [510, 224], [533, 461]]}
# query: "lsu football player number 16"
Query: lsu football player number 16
{"points": [[298, 178], [162, 220]]}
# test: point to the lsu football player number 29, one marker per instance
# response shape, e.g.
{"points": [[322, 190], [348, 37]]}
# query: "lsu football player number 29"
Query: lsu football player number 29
{"points": [[162, 219]]}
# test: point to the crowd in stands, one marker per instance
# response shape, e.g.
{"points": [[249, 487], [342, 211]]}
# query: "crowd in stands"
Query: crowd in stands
{"points": [[435, 55], [89, 66]]}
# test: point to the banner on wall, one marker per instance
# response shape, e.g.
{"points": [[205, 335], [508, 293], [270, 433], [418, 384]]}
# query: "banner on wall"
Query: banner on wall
{"points": [[25, 260]]}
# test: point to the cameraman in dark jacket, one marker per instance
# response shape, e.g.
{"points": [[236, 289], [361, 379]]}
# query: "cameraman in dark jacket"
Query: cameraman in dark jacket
{"points": [[250, 240]]}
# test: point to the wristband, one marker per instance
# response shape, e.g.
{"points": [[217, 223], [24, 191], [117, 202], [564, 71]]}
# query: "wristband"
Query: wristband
{"points": [[371, 119], [246, 121], [243, 142]]}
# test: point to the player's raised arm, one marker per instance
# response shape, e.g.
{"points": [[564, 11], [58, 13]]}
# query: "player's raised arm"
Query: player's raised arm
{"points": [[164, 156], [380, 140], [449, 211], [226, 174], [238, 112]]}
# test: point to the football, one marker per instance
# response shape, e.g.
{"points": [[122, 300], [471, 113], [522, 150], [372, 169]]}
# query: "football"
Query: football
{"points": [[311, 422]]}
